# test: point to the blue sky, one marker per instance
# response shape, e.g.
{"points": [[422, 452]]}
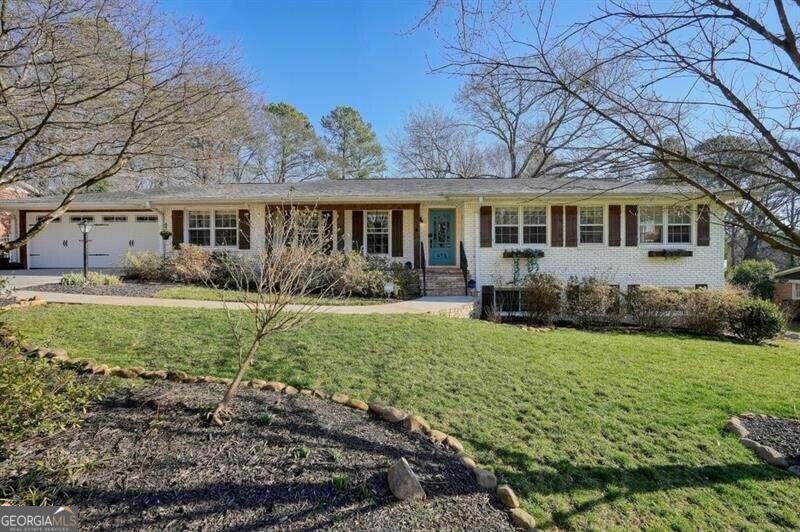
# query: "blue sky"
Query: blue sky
{"points": [[320, 54]]}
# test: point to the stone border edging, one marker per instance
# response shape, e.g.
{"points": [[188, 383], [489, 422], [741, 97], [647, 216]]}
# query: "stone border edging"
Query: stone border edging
{"points": [[411, 422], [765, 452], [34, 301]]}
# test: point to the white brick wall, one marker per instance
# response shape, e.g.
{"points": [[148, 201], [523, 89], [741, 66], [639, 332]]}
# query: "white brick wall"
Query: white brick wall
{"points": [[618, 265]]}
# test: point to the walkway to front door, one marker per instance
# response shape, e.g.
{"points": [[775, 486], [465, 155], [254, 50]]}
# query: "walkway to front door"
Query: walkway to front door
{"points": [[442, 237]]}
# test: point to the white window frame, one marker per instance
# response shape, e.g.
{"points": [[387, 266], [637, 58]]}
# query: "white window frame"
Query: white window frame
{"points": [[658, 220], [523, 225], [234, 228], [602, 225], [209, 228], [665, 225], [520, 225], [796, 290], [212, 227], [388, 233]]}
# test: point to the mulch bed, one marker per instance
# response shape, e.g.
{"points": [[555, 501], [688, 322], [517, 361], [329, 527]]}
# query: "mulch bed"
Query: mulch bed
{"points": [[150, 461], [127, 289], [783, 435]]}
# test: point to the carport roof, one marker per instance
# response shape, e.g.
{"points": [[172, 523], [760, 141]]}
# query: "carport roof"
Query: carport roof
{"points": [[367, 190]]}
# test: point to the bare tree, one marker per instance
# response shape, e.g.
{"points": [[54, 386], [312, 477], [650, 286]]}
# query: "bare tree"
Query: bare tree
{"points": [[90, 89], [433, 144], [276, 290], [697, 69]]}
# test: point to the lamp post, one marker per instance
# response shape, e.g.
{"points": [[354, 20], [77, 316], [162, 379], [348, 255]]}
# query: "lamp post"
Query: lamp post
{"points": [[85, 226]]}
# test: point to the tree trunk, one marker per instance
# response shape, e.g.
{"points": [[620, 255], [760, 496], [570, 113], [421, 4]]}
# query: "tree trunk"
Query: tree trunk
{"points": [[222, 413]]}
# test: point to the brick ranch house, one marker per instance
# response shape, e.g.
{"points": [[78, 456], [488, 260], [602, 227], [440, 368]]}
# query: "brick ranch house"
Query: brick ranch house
{"points": [[626, 233]]}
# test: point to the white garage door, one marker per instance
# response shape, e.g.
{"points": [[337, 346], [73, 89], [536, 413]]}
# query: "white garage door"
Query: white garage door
{"points": [[60, 245]]}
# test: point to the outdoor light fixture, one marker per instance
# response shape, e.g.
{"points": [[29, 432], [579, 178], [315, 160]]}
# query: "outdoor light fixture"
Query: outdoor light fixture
{"points": [[85, 226]]}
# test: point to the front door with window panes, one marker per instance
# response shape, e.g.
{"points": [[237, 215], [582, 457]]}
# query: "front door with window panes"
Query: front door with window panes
{"points": [[442, 237]]}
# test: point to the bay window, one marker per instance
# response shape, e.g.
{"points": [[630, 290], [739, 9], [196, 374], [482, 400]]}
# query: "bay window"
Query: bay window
{"points": [[591, 225], [377, 231]]}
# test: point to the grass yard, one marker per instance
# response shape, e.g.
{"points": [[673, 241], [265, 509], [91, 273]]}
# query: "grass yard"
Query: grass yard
{"points": [[216, 294], [593, 430]]}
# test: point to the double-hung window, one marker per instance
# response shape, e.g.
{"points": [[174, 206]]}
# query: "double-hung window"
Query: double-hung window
{"points": [[377, 225], [225, 231], [506, 225], [679, 225], [534, 225], [591, 225], [200, 228], [651, 224]]}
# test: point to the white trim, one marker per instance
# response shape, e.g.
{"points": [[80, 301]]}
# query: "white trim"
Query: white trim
{"points": [[212, 227]]}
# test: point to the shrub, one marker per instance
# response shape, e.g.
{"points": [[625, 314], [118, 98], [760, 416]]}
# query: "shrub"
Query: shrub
{"points": [[91, 279], [754, 276], [705, 312], [755, 320], [541, 297], [191, 264], [349, 274], [590, 301], [145, 266], [654, 308], [407, 282]]}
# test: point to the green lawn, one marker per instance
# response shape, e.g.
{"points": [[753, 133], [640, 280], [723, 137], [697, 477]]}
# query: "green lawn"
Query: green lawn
{"points": [[594, 430], [216, 294]]}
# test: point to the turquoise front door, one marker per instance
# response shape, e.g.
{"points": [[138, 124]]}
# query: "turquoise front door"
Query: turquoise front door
{"points": [[442, 237]]}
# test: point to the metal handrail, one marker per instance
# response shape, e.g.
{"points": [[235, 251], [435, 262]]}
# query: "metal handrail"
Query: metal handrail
{"points": [[464, 267], [422, 262]]}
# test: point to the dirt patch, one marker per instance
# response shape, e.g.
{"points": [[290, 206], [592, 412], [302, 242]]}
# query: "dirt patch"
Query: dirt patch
{"points": [[783, 435], [143, 458]]}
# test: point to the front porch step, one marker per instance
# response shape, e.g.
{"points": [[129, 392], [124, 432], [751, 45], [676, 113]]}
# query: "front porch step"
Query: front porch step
{"points": [[444, 282]]}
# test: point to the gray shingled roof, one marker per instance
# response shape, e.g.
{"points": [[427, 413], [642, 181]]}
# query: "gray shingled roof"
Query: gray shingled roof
{"points": [[374, 189]]}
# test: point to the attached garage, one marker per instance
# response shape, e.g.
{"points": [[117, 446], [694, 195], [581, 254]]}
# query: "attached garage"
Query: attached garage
{"points": [[60, 244]]}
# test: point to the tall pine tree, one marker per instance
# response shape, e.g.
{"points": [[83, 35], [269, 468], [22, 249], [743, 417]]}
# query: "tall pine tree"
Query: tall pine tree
{"points": [[353, 149]]}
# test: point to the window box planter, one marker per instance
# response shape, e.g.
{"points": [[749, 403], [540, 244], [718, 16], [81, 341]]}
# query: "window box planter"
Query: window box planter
{"points": [[523, 253], [669, 253]]}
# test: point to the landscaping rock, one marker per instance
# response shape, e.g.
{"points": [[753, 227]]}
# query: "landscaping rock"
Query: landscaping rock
{"points": [[522, 519], [469, 462], [42, 353], [403, 482], [123, 373], [437, 436], [454, 444], [275, 386], [340, 398], [306, 392], [176, 375], [99, 369], [768, 454], [322, 394], [486, 479], [290, 390], [258, 384], [154, 375], [507, 496], [416, 424], [387, 413], [735, 425], [358, 404]]}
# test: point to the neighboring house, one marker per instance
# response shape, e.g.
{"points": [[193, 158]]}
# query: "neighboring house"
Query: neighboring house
{"points": [[8, 220], [787, 285], [625, 233]]}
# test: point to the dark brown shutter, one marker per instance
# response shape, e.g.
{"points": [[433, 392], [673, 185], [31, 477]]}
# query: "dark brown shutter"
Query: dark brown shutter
{"points": [[177, 229], [397, 233], [358, 230], [556, 226], [614, 222], [703, 225], [327, 231], [631, 225], [244, 229], [487, 300], [23, 231], [571, 224], [486, 226]]}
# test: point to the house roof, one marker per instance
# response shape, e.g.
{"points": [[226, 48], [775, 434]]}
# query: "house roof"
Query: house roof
{"points": [[368, 190], [791, 273]]}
